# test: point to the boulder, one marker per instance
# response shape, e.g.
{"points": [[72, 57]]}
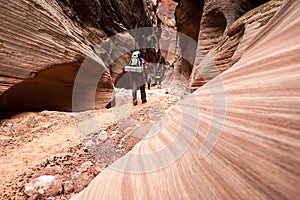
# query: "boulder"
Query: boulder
{"points": [[44, 186]]}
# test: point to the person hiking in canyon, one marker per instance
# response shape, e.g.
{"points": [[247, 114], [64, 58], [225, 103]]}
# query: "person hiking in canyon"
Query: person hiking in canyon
{"points": [[149, 80], [138, 73], [158, 78]]}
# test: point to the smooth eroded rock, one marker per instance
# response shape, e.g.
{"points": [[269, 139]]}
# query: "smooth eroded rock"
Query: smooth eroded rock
{"points": [[237, 137]]}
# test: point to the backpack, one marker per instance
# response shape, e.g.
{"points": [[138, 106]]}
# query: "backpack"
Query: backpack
{"points": [[135, 59], [149, 78], [135, 63], [158, 75]]}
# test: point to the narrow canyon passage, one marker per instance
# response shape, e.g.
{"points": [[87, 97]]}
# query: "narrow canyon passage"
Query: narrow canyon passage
{"points": [[219, 121]]}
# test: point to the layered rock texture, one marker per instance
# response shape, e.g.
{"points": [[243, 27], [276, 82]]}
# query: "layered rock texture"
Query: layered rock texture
{"points": [[252, 152], [225, 38], [166, 12], [222, 29], [44, 43]]}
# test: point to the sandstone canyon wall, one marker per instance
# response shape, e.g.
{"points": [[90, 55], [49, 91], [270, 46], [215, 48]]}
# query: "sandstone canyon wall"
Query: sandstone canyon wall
{"points": [[252, 152], [166, 12], [44, 42], [188, 16], [222, 29], [231, 32]]}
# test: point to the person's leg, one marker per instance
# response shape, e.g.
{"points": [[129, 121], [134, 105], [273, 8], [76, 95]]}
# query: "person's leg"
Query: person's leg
{"points": [[149, 85], [143, 94], [134, 89]]}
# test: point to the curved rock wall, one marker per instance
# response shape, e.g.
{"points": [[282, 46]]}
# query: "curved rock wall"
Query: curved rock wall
{"points": [[219, 15], [43, 43], [207, 21], [106, 18], [228, 42], [257, 151]]}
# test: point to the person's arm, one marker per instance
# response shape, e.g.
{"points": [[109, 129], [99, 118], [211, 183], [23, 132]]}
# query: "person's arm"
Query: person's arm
{"points": [[146, 69]]}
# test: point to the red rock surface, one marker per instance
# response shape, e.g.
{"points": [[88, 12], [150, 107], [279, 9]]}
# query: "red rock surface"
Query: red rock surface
{"points": [[166, 12], [41, 51], [43, 44], [228, 46], [188, 16], [207, 22], [256, 153]]}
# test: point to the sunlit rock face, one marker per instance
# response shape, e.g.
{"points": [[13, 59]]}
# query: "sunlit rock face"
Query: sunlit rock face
{"points": [[166, 12], [236, 137], [44, 43]]}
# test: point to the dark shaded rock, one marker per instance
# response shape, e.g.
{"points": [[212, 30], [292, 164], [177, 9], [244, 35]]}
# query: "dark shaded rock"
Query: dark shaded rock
{"points": [[44, 43], [188, 16]]}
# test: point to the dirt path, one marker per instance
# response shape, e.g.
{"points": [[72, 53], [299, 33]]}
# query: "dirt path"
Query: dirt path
{"points": [[48, 143]]}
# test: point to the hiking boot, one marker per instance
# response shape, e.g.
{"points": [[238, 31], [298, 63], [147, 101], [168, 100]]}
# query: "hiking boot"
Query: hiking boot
{"points": [[144, 101], [134, 103]]}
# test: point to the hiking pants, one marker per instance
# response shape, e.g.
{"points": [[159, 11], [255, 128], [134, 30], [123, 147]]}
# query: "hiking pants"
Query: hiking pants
{"points": [[138, 82]]}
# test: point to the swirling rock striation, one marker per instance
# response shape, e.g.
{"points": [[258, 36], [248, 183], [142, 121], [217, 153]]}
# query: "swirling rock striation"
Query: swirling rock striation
{"points": [[237, 137], [209, 22], [43, 44], [226, 38]]}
